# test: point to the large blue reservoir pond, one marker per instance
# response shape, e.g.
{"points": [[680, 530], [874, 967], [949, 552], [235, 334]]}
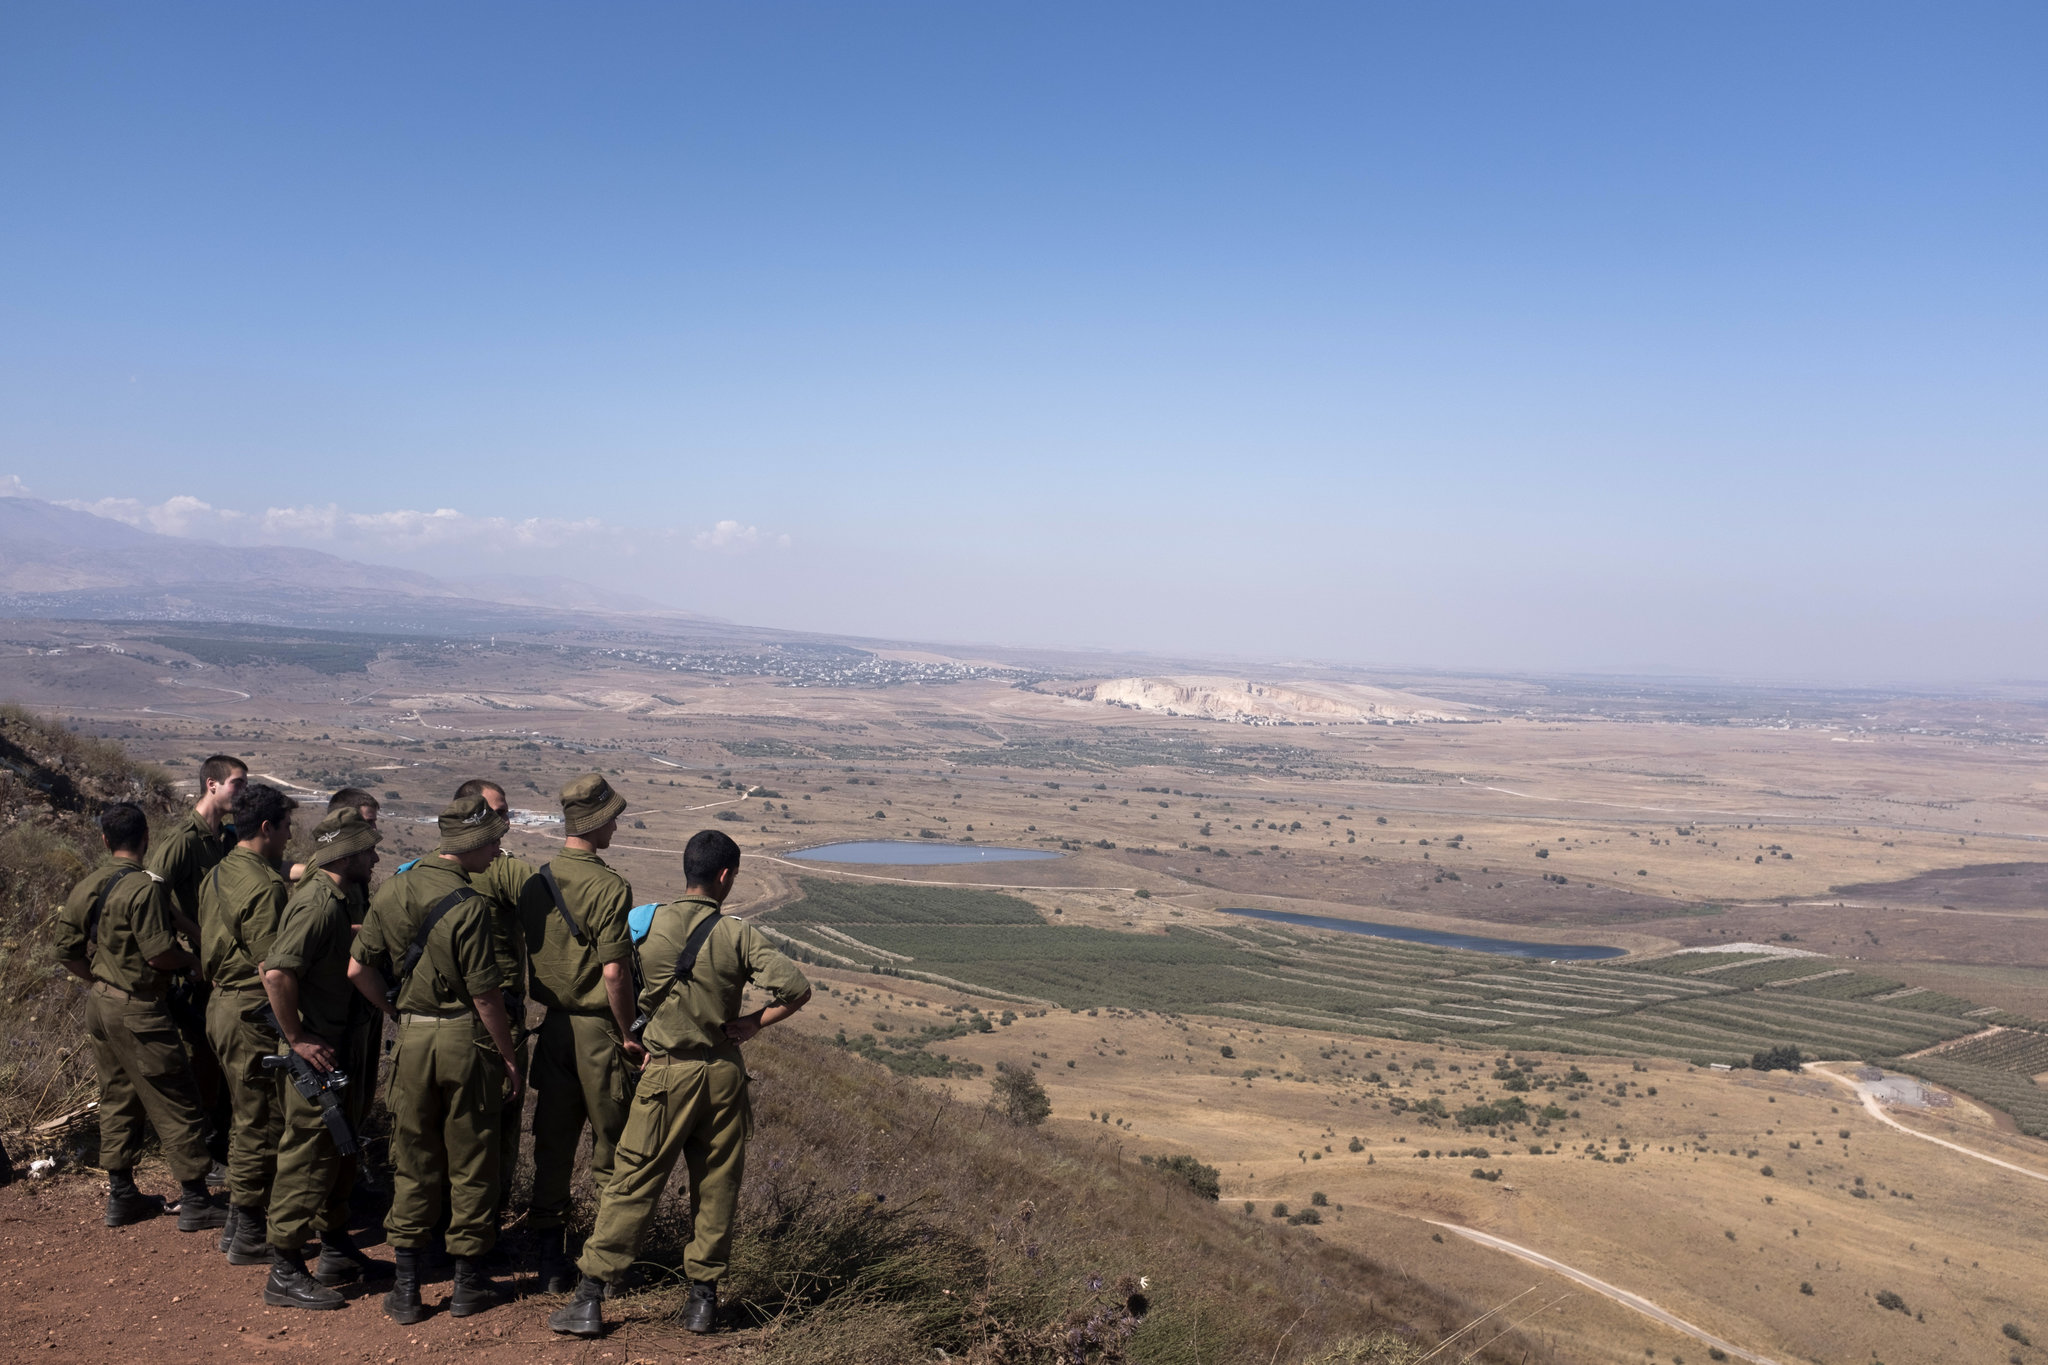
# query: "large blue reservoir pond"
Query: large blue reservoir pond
{"points": [[1507, 947], [903, 853]]}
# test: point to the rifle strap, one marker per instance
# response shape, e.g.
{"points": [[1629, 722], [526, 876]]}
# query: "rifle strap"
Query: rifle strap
{"points": [[547, 874], [419, 940], [686, 960], [99, 905]]}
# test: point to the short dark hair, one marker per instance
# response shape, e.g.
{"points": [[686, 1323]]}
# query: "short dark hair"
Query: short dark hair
{"points": [[709, 853], [352, 798], [476, 786], [220, 768], [125, 827], [260, 804]]}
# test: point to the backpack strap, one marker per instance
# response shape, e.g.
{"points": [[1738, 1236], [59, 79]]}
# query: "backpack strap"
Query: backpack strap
{"points": [[547, 874], [686, 960], [99, 905], [419, 940]]}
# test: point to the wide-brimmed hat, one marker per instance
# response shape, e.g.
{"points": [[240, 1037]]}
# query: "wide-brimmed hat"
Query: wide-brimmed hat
{"points": [[469, 822], [341, 835], [587, 803]]}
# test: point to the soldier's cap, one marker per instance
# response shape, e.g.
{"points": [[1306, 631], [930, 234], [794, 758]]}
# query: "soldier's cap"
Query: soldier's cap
{"points": [[469, 822], [341, 835], [587, 803]]}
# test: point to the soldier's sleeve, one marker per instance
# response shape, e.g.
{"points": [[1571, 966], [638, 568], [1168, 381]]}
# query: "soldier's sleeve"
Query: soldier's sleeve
{"points": [[290, 948], [370, 944], [69, 928], [767, 968], [470, 948], [170, 856], [611, 938], [507, 877], [260, 926], [150, 918]]}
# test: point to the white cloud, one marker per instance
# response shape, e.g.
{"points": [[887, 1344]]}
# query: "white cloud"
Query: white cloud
{"points": [[406, 531], [11, 486]]}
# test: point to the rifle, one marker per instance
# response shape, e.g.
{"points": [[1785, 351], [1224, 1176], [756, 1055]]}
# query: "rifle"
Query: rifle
{"points": [[322, 1087]]}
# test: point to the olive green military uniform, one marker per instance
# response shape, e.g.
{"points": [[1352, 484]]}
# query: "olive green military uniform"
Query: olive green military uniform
{"points": [[136, 1048], [182, 856], [579, 1069], [692, 1101], [364, 1047], [313, 1179], [239, 904], [501, 883], [447, 1084]]}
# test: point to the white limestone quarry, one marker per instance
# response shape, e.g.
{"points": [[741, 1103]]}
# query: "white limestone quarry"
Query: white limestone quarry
{"points": [[1247, 702]]}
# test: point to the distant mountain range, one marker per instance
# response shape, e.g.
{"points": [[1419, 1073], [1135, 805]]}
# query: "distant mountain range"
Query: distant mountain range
{"points": [[60, 563]]}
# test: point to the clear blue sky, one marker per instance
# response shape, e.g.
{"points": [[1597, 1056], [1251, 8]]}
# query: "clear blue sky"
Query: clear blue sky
{"points": [[1544, 336]]}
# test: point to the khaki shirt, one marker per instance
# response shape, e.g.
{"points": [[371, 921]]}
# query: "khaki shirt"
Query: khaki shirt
{"points": [[692, 1017], [134, 927], [501, 883], [568, 975], [312, 943], [182, 855], [239, 902], [459, 963]]}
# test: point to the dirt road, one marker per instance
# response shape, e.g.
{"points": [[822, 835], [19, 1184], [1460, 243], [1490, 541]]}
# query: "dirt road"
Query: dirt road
{"points": [[73, 1289], [1620, 1296], [1875, 1109]]}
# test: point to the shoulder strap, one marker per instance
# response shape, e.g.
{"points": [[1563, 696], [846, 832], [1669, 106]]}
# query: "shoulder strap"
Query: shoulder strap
{"points": [[547, 874], [419, 940], [686, 960], [99, 905]]}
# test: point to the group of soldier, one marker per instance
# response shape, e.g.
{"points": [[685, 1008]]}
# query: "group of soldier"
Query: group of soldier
{"points": [[240, 1006]]}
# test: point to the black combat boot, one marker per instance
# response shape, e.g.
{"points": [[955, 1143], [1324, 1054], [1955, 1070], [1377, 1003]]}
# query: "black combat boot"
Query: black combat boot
{"points": [[199, 1208], [289, 1286], [402, 1305], [227, 1229], [701, 1313], [474, 1290], [557, 1272], [343, 1262], [251, 1244], [125, 1203], [584, 1315]]}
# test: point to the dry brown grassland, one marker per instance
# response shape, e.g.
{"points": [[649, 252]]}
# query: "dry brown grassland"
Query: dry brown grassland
{"points": [[1844, 826]]}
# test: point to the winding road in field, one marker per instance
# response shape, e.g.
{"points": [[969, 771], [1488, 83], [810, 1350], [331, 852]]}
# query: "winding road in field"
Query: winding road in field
{"points": [[1601, 1287], [1875, 1109]]}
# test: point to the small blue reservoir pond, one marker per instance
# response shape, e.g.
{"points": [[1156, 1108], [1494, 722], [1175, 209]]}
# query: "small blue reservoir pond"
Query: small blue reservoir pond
{"points": [[904, 853], [1507, 947]]}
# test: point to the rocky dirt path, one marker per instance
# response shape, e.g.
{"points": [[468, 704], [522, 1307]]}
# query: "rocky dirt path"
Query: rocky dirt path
{"points": [[72, 1289]]}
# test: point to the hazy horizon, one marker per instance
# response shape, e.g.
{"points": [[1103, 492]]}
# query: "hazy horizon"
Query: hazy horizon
{"points": [[1591, 339]]}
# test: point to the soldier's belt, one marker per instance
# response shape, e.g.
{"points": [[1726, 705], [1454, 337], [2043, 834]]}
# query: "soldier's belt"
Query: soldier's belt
{"points": [[116, 993], [411, 1018], [253, 988], [729, 1053]]}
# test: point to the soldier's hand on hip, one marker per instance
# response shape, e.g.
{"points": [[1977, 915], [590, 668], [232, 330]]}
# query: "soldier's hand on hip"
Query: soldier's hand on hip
{"points": [[315, 1051], [743, 1028], [635, 1053]]}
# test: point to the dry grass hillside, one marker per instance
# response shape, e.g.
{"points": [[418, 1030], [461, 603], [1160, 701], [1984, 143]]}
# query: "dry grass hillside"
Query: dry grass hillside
{"points": [[881, 1222]]}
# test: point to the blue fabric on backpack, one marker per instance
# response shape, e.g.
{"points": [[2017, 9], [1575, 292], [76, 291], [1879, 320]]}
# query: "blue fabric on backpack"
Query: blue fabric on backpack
{"points": [[407, 867], [640, 919]]}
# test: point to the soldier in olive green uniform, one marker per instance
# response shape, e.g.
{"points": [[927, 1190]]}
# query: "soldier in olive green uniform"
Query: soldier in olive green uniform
{"points": [[692, 1100], [582, 952], [239, 903], [306, 976], [115, 932], [501, 884], [182, 856], [452, 1068]]}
